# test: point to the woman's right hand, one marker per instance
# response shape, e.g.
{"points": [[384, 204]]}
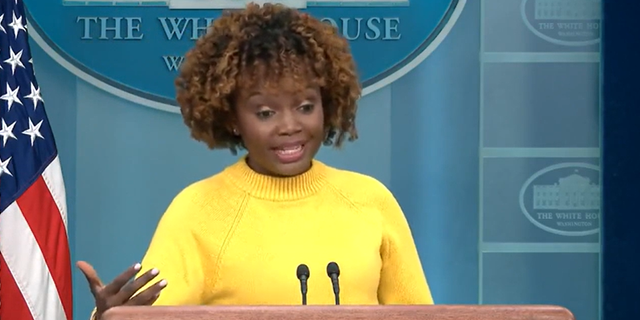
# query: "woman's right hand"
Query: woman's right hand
{"points": [[121, 290]]}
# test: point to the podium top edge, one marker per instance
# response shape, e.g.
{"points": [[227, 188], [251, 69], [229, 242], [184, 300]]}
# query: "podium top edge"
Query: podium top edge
{"points": [[330, 312]]}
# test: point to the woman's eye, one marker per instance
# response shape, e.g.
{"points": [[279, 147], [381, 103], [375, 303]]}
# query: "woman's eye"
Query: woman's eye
{"points": [[307, 107], [264, 114]]}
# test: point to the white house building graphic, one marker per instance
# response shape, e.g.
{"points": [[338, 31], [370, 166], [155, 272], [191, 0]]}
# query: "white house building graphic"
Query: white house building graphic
{"points": [[574, 192], [567, 9], [236, 4]]}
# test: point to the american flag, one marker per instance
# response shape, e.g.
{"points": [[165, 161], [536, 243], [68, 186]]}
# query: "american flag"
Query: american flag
{"points": [[35, 266]]}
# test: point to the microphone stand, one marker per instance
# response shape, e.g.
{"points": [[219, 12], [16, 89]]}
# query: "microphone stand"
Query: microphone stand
{"points": [[303, 274], [333, 271]]}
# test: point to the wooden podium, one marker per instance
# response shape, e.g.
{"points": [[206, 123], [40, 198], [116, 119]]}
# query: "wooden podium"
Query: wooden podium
{"points": [[413, 312]]}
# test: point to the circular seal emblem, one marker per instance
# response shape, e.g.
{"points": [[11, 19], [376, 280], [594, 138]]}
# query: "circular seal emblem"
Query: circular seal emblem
{"points": [[563, 22], [133, 49], [563, 199]]}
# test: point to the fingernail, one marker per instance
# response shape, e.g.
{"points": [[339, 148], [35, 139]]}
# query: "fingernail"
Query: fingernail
{"points": [[137, 266], [154, 271], [163, 283]]}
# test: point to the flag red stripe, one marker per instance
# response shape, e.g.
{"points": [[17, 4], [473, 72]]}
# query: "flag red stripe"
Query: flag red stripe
{"points": [[44, 219], [13, 305]]}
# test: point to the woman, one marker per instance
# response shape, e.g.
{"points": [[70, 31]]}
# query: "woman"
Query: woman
{"points": [[277, 83]]}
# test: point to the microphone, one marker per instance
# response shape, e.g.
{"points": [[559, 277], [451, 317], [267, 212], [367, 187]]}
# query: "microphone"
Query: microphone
{"points": [[334, 272], [303, 274]]}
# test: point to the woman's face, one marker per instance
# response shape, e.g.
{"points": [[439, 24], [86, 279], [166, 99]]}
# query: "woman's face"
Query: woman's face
{"points": [[282, 126]]}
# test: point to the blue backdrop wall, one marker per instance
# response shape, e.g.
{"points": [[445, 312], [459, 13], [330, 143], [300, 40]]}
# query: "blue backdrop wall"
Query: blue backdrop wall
{"points": [[498, 110]]}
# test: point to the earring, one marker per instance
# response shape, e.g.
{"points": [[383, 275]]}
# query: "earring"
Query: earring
{"points": [[235, 131]]}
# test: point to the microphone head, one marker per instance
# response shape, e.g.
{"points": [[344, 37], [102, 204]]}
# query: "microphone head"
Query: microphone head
{"points": [[332, 268], [302, 271]]}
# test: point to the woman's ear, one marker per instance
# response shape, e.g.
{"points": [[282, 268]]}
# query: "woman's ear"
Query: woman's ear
{"points": [[232, 125]]}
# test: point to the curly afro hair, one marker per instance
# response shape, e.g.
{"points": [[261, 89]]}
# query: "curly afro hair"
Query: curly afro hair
{"points": [[284, 41]]}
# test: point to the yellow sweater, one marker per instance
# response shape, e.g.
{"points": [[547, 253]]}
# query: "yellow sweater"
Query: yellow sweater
{"points": [[236, 238]]}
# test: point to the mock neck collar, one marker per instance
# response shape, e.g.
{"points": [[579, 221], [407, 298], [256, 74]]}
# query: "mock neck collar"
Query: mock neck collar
{"points": [[277, 188]]}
